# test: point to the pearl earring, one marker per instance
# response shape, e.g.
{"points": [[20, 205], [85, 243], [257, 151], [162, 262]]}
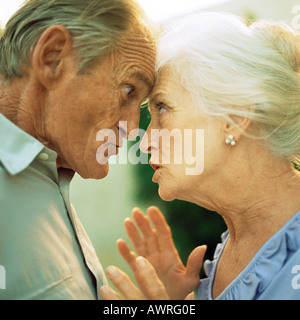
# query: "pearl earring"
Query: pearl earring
{"points": [[230, 141]]}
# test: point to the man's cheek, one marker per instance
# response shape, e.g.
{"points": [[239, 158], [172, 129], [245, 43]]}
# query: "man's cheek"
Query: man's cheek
{"points": [[107, 147]]}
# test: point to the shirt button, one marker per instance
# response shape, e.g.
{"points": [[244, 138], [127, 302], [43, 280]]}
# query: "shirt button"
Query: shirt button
{"points": [[44, 156]]}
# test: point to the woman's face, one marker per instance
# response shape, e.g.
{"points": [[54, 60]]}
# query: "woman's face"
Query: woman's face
{"points": [[182, 140]]}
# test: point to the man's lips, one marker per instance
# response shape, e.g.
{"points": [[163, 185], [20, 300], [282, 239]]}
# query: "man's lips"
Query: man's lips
{"points": [[112, 149], [120, 145]]}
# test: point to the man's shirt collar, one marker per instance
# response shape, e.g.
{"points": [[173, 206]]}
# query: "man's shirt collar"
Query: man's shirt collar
{"points": [[17, 148]]}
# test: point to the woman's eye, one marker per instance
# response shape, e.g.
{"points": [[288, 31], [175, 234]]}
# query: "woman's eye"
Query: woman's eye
{"points": [[161, 108], [128, 90]]}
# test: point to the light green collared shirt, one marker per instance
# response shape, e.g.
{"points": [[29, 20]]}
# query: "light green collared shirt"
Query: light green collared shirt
{"points": [[44, 249]]}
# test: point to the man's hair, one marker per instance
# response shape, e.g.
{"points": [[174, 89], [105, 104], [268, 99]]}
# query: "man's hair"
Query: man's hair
{"points": [[96, 26]]}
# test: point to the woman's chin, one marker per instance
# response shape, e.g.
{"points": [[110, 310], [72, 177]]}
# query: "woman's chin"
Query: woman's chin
{"points": [[166, 194]]}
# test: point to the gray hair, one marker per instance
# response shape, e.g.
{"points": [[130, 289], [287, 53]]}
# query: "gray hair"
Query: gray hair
{"points": [[95, 26], [234, 69]]}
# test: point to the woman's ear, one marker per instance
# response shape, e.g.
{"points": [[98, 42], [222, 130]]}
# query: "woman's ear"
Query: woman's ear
{"points": [[50, 53], [236, 129]]}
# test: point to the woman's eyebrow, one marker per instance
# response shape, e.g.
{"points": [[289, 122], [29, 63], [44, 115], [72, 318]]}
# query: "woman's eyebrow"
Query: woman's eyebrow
{"points": [[158, 96]]}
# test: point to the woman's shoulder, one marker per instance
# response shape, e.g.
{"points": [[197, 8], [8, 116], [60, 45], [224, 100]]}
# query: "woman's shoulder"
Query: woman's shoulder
{"points": [[273, 273]]}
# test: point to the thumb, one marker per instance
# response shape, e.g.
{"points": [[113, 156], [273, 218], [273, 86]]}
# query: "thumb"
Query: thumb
{"points": [[194, 263]]}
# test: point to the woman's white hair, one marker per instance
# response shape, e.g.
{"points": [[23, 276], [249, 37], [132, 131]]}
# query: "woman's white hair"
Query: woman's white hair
{"points": [[231, 69]]}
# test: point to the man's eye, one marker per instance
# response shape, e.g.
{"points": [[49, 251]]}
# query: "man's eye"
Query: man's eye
{"points": [[128, 90]]}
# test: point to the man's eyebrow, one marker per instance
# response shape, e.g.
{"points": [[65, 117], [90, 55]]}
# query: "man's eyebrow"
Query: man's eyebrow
{"points": [[142, 77]]}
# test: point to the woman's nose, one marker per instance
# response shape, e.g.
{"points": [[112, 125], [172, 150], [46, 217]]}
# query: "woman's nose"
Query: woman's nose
{"points": [[145, 145], [149, 143]]}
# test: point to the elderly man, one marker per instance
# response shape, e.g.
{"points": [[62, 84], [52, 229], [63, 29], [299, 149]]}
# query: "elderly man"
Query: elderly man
{"points": [[68, 69]]}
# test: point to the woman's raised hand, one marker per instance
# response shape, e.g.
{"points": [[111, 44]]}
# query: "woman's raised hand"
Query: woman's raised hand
{"points": [[151, 287], [156, 244]]}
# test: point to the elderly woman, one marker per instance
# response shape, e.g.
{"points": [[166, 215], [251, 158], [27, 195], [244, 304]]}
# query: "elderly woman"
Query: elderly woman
{"points": [[241, 84]]}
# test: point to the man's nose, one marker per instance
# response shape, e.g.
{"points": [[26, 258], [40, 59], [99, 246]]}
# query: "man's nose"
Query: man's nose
{"points": [[122, 127], [132, 120]]}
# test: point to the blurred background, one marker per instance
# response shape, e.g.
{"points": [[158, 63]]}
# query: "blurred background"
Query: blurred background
{"points": [[103, 205]]}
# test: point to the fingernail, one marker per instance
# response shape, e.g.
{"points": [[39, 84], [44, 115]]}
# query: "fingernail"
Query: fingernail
{"points": [[141, 262], [104, 290], [112, 271]]}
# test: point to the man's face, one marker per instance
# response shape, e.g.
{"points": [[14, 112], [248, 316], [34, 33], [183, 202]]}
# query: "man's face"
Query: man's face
{"points": [[110, 92]]}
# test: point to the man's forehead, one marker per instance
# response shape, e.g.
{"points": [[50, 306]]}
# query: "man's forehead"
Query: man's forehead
{"points": [[143, 77], [136, 55]]}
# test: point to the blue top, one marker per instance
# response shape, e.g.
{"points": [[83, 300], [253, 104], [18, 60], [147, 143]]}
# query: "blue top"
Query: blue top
{"points": [[273, 273]]}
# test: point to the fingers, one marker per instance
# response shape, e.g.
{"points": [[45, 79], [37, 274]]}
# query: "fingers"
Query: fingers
{"points": [[135, 238], [149, 282], [123, 283], [128, 256], [131, 260], [194, 265], [152, 240], [162, 228], [144, 225], [108, 293], [146, 245], [151, 287]]}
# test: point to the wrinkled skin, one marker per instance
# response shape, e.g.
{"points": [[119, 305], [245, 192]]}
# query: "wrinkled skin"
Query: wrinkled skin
{"points": [[65, 110]]}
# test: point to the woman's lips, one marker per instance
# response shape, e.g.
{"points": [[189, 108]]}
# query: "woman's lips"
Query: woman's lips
{"points": [[154, 166], [157, 171]]}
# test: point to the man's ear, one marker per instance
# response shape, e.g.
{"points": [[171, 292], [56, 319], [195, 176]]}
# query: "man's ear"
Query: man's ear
{"points": [[50, 53]]}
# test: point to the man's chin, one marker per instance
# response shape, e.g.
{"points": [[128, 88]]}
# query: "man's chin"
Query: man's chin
{"points": [[98, 172]]}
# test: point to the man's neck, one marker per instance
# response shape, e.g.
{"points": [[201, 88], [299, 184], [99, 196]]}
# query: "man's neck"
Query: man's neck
{"points": [[10, 99], [20, 102]]}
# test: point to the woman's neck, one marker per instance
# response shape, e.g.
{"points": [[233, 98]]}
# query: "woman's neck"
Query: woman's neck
{"points": [[256, 195], [262, 208], [253, 216]]}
